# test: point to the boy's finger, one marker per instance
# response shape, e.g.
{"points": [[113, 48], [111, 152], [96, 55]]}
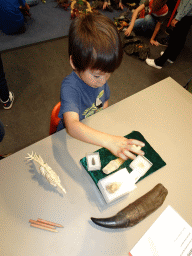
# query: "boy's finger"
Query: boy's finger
{"points": [[136, 142], [137, 150], [128, 154], [121, 155]]}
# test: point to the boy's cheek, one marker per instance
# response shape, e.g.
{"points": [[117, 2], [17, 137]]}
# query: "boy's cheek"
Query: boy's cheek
{"points": [[91, 79]]}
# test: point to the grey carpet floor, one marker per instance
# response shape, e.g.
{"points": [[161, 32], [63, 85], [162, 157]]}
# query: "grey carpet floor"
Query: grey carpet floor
{"points": [[35, 73], [47, 22]]}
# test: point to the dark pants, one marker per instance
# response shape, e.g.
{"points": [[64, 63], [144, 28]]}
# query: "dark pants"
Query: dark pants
{"points": [[176, 41], [2, 131], [4, 91]]}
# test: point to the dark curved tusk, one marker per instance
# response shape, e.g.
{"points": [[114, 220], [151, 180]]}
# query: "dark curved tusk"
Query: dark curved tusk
{"points": [[113, 222], [136, 211]]}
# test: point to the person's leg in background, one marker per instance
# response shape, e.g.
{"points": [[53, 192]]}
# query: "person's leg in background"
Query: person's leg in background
{"points": [[2, 131], [2, 134], [176, 41], [144, 25], [6, 97]]}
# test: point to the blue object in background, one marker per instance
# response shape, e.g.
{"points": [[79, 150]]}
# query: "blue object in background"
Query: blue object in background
{"points": [[46, 23], [11, 18]]}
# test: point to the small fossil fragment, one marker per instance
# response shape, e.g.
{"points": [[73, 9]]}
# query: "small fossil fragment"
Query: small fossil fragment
{"points": [[93, 161], [113, 187]]}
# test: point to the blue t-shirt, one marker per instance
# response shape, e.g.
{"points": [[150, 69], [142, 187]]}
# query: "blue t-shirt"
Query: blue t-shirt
{"points": [[77, 96], [11, 18]]}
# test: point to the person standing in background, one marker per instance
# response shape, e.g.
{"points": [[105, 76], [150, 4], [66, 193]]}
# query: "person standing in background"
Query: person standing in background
{"points": [[181, 23]]}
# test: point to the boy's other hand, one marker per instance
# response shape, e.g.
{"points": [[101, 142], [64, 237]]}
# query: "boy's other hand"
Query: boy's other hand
{"points": [[124, 148]]}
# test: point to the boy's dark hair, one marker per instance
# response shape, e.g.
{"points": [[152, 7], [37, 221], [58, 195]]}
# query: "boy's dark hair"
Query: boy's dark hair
{"points": [[94, 43]]}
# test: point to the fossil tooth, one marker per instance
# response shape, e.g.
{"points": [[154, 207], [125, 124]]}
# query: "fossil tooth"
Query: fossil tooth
{"points": [[136, 211]]}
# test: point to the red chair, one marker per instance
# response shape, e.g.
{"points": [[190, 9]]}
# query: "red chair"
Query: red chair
{"points": [[54, 118]]}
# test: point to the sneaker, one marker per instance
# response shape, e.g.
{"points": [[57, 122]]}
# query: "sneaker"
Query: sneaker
{"points": [[170, 61], [8, 104], [163, 41], [151, 63]]}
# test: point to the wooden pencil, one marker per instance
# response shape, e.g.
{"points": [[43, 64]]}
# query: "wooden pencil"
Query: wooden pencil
{"points": [[41, 223], [42, 227], [50, 223]]}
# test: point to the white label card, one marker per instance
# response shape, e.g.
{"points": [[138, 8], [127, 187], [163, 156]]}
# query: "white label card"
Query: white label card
{"points": [[170, 235]]}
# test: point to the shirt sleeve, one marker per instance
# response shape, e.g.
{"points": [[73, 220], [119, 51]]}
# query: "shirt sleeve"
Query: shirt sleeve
{"points": [[69, 100], [184, 9]]}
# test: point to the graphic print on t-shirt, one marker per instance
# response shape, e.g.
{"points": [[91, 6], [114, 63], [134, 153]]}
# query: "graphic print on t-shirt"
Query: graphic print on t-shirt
{"points": [[96, 107]]}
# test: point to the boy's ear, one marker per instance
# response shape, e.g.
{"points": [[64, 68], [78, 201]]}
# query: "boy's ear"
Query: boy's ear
{"points": [[71, 62]]}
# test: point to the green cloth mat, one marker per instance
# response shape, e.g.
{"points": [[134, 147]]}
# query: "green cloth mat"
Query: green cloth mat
{"points": [[106, 156]]}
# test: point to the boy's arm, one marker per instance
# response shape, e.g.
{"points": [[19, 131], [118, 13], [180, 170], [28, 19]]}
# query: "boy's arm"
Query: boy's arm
{"points": [[134, 16], [156, 30], [118, 145], [106, 104]]}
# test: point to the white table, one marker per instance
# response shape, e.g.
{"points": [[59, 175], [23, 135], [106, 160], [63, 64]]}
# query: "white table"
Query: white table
{"points": [[162, 113]]}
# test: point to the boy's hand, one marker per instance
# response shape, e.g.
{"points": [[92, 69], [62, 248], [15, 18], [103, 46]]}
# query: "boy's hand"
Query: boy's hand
{"points": [[124, 148]]}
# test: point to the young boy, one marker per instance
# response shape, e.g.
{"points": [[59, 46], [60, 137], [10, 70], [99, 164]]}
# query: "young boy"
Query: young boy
{"points": [[95, 51], [182, 24], [158, 11]]}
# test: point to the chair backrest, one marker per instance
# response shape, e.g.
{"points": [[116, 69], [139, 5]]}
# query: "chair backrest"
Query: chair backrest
{"points": [[54, 118]]}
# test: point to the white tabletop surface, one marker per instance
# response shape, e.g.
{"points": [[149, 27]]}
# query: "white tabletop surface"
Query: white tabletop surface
{"points": [[162, 113]]}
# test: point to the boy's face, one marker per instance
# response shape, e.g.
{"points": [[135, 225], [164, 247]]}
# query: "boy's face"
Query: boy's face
{"points": [[94, 78]]}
